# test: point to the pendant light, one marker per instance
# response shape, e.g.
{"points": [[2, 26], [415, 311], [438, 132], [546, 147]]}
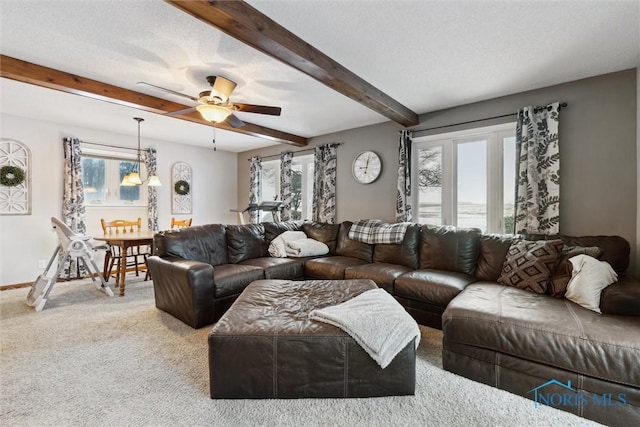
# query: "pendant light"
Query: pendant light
{"points": [[133, 178]]}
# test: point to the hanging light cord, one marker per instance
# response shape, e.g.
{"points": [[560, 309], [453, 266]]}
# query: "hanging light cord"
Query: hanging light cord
{"points": [[214, 139], [138, 119]]}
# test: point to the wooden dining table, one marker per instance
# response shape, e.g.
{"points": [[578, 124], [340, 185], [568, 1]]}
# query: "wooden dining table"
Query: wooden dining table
{"points": [[124, 241]]}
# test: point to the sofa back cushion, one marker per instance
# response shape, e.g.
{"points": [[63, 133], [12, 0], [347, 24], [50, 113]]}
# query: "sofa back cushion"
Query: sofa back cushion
{"points": [[322, 232], [246, 242], [352, 248], [615, 249], [449, 248], [274, 229], [204, 243], [407, 253], [493, 251]]}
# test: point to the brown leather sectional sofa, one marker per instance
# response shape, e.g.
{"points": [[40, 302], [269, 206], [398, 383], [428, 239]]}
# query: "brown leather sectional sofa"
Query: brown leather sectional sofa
{"points": [[446, 278]]}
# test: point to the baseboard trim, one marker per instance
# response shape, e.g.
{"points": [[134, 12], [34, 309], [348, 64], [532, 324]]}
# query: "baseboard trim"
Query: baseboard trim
{"points": [[28, 284], [15, 286]]}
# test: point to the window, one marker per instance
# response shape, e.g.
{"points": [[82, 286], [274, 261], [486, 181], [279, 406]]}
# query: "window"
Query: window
{"points": [[101, 177], [301, 186], [270, 181], [466, 179]]}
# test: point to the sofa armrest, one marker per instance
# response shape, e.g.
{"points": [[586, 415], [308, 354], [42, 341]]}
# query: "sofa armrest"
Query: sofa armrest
{"points": [[621, 298], [184, 289]]}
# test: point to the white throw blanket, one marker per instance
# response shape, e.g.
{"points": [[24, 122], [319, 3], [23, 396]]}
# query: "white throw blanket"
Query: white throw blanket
{"points": [[376, 321], [306, 247], [277, 248]]}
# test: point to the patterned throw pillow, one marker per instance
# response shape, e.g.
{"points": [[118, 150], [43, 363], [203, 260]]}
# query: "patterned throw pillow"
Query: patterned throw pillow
{"points": [[562, 275], [529, 264]]}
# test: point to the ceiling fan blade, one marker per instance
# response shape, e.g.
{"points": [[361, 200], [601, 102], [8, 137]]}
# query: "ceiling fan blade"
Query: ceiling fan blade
{"points": [[260, 109], [234, 121], [221, 87], [180, 112], [169, 91]]}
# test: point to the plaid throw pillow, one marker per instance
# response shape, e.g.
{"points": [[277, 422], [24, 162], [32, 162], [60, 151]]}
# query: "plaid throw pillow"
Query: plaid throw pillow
{"points": [[562, 275], [529, 264], [374, 231]]}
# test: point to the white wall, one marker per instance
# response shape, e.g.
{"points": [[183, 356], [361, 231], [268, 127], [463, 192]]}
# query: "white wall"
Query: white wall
{"points": [[25, 239]]}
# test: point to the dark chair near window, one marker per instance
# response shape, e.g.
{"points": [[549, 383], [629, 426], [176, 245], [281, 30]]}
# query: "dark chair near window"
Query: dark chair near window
{"points": [[180, 223], [136, 258]]}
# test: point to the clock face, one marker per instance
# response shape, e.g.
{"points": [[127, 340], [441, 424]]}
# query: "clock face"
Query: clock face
{"points": [[366, 167]]}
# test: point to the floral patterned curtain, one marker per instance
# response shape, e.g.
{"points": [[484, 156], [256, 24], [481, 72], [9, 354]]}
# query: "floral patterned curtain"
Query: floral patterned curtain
{"points": [[151, 164], [403, 201], [537, 207], [324, 183], [254, 187], [73, 211], [285, 184]]}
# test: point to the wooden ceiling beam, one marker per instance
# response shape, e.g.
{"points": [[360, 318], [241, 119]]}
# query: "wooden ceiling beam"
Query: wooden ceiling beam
{"points": [[27, 72], [245, 23]]}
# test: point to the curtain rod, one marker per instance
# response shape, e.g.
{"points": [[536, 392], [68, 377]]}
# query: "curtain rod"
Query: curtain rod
{"points": [[113, 146], [537, 109], [295, 152]]}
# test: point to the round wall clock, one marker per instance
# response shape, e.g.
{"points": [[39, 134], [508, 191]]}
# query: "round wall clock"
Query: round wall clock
{"points": [[366, 167]]}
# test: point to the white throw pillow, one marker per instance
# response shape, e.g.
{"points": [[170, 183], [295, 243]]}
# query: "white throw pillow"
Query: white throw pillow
{"points": [[588, 279]]}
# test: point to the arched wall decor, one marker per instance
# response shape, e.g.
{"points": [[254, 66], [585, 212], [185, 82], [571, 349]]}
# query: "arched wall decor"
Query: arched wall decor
{"points": [[15, 178], [181, 188]]}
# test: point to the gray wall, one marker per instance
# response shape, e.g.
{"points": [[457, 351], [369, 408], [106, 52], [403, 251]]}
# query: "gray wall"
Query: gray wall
{"points": [[637, 270], [598, 151]]}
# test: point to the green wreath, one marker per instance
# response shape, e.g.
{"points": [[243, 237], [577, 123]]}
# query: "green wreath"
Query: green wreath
{"points": [[181, 187], [11, 176]]}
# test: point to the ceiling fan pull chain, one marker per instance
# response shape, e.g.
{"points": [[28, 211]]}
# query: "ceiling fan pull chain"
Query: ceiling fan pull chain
{"points": [[214, 139]]}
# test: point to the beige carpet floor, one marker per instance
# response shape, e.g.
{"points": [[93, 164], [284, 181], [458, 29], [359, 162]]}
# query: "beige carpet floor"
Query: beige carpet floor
{"points": [[91, 360]]}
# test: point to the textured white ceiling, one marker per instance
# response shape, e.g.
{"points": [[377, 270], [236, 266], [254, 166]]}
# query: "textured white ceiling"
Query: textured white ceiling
{"points": [[427, 55]]}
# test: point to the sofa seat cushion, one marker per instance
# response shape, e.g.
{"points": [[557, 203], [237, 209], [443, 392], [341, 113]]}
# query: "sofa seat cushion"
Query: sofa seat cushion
{"points": [[382, 273], [277, 268], [331, 267], [547, 330], [435, 287], [231, 279]]}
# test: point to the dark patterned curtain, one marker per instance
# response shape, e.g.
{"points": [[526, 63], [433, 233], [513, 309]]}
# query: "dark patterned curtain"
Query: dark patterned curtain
{"points": [[324, 183], [254, 187], [537, 207], [151, 164], [285, 184], [403, 201], [73, 211]]}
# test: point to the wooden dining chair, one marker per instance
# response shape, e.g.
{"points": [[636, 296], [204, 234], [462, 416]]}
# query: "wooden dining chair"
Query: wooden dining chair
{"points": [[180, 223], [137, 256]]}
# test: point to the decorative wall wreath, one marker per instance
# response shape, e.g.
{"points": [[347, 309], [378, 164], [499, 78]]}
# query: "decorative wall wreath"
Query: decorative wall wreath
{"points": [[10, 176], [181, 187]]}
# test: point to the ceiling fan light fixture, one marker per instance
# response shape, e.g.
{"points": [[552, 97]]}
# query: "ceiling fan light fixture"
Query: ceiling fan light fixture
{"points": [[213, 113]]}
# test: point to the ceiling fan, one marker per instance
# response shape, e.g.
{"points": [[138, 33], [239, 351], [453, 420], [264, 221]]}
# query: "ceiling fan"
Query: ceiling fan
{"points": [[214, 104]]}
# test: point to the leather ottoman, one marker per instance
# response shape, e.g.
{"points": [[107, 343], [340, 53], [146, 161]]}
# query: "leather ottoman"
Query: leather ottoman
{"points": [[265, 346]]}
